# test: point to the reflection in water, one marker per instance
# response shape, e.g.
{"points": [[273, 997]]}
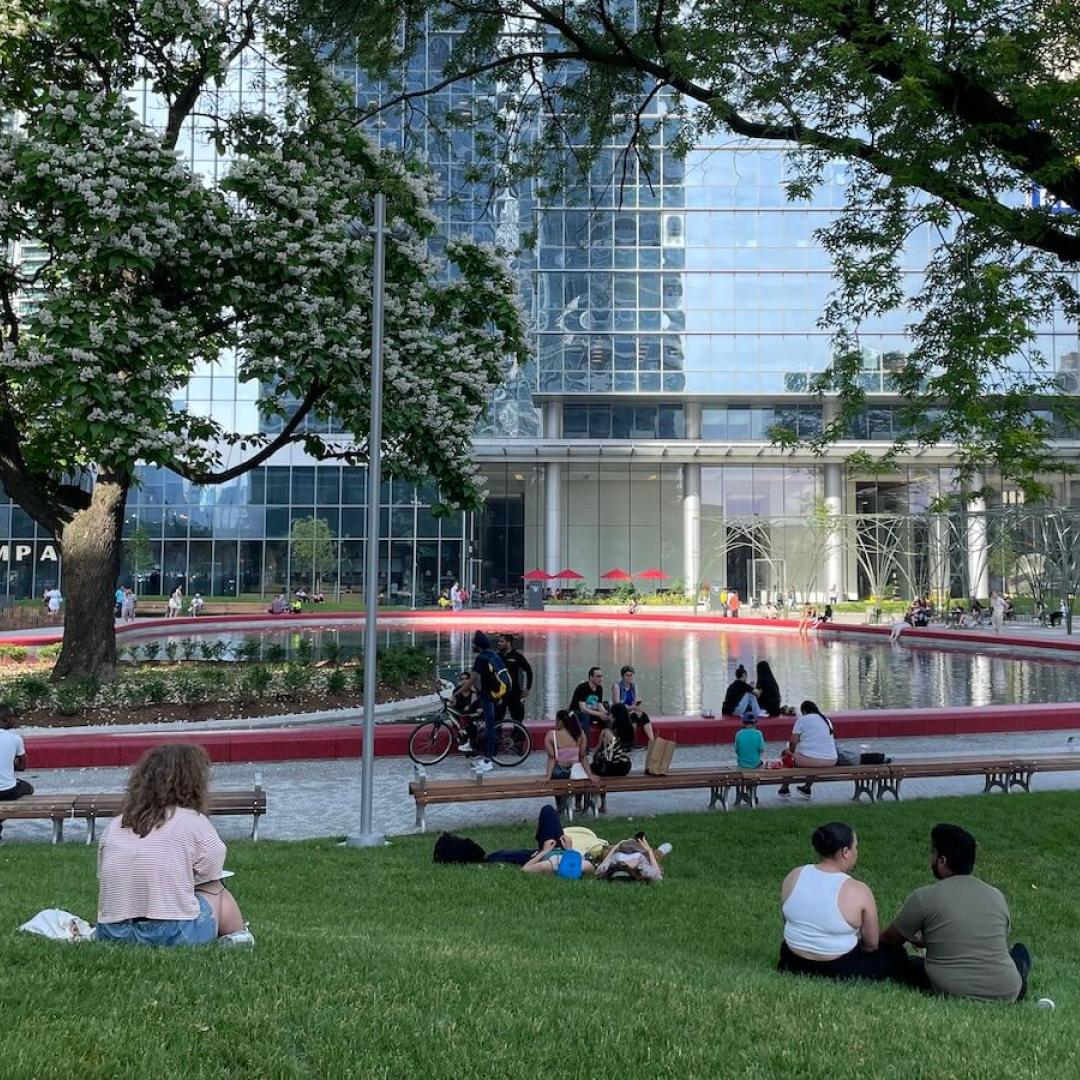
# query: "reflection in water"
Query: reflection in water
{"points": [[683, 672]]}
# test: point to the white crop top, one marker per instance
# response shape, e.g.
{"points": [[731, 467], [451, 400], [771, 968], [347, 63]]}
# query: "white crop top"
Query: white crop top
{"points": [[812, 919]]}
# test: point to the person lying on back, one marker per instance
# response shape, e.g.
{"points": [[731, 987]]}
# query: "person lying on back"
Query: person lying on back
{"points": [[963, 924]]}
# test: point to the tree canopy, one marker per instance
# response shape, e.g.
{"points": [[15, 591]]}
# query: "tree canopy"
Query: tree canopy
{"points": [[124, 271], [960, 118]]}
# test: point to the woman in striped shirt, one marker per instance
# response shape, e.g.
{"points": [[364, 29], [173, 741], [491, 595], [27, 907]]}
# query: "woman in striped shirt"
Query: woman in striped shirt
{"points": [[160, 863]]}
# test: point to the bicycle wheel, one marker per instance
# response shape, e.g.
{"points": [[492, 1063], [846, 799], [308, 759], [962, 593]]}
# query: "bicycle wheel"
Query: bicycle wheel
{"points": [[512, 743], [430, 742]]}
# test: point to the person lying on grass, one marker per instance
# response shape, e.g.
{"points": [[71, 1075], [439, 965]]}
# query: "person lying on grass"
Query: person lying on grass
{"points": [[963, 924], [830, 919], [160, 863], [552, 843]]}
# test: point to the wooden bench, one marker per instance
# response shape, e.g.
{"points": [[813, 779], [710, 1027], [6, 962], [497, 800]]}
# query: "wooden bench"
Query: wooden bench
{"points": [[874, 781], [64, 807]]}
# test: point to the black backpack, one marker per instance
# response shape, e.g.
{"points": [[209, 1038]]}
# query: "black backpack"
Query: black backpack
{"points": [[458, 849]]}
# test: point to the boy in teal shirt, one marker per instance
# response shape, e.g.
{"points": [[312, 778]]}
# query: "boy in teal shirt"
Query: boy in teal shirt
{"points": [[749, 745]]}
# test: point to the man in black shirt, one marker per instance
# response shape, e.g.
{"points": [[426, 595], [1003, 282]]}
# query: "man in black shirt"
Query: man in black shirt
{"points": [[521, 678], [588, 700]]}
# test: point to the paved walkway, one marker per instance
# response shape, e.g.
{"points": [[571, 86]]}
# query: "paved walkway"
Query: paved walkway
{"points": [[310, 799]]}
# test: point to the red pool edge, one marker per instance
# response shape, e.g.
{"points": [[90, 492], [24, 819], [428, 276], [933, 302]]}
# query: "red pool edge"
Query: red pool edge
{"points": [[115, 748]]}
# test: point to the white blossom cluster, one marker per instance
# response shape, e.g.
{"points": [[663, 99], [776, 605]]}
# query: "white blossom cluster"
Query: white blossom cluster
{"points": [[153, 272]]}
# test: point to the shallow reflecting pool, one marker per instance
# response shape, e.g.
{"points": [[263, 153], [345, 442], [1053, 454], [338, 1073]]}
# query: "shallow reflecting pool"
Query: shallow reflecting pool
{"points": [[684, 671]]}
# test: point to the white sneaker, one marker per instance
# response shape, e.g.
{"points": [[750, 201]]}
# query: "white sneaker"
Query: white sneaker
{"points": [[483, 765], [664, 849], [240, 939], [465, 747]]}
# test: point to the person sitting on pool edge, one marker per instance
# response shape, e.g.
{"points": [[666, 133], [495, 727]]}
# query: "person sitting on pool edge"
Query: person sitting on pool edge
{"points": [[624, 692], [830, 920], [739, 695], [963, 924]]}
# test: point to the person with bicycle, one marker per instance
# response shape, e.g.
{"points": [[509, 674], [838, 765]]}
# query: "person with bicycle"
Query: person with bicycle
{"points": [[466, 703], [486, 665], [521, 680]]}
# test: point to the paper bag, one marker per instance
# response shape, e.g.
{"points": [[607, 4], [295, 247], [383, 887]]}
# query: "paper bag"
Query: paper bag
{"points": [[658, 759]]}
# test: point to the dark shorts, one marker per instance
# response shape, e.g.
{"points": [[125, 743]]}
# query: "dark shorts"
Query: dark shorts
{"points": [[20, 789]]}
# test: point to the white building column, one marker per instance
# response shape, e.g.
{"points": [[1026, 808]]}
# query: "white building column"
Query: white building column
{"points": [[553, 474], [834, 548], [977, 553], [692, 505]]}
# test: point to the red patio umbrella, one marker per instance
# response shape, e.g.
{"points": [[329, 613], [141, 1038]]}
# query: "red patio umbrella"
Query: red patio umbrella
{"points": [[652, 574], [538, 575], [569, 575], [616, 575]]}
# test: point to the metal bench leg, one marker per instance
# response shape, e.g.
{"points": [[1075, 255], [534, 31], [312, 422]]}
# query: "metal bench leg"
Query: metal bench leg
{"points": [[863, 787], [255, 827], [998, 780], [889, 787], [719, 795], [421, 817], [1020, 779], [91, 828], [746, 793], [57, 830]]}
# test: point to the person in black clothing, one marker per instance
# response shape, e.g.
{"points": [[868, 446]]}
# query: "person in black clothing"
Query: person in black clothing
{"points": [[736, 691], [521, 677], [767, 689], [587, 701]]}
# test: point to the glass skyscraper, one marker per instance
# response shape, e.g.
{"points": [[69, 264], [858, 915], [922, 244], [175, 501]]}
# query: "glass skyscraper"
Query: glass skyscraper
{"points": [[675, 323]]}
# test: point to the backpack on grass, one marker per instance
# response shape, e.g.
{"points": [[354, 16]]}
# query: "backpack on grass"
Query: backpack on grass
{"points": [[458, 849]]}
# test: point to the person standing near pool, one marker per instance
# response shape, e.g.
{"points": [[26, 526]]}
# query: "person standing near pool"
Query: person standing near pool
{"points": [[521, 680], [997, 611]]}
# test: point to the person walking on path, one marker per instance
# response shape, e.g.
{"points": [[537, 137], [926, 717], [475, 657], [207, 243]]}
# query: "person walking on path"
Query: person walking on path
{"points": [[963, 924]]}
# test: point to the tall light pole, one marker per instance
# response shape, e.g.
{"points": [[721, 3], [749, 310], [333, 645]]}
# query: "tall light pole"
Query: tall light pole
{"points": [[367, 837]]}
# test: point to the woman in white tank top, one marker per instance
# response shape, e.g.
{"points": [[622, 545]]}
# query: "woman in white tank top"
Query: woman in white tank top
{"points": [[830, 919]]}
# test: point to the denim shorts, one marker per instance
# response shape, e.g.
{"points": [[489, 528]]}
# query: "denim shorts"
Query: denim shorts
{"points": [[198, 931]]}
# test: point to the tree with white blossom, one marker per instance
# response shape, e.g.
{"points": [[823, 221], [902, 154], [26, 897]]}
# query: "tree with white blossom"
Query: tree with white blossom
{"points": [[123, 271]]}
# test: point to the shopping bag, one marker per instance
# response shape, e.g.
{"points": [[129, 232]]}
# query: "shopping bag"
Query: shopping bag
{"points": [[59, 926], [658, 759]]}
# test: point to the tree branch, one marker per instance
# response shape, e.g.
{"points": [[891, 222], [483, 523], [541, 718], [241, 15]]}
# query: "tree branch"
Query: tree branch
{"points": [[283, 438]]}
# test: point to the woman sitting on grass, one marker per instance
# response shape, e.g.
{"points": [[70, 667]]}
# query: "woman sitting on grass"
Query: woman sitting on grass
{"points": [[160, 862], [830, 920]]}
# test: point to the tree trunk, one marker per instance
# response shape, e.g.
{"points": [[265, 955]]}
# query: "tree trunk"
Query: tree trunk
{"points": [[90, 545]]}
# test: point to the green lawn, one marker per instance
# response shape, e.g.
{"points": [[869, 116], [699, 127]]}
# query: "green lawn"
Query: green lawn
{"points": [[379, 964]]}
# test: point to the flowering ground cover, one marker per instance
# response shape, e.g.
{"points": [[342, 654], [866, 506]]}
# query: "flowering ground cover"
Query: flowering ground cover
{"points": [[381, 964]]}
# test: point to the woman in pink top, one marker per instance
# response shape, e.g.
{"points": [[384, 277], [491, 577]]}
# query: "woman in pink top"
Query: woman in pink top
{"points": [[160, 862], [566, 747]]}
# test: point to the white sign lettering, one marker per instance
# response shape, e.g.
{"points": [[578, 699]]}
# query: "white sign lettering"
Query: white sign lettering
{"points": [[22, 551]]}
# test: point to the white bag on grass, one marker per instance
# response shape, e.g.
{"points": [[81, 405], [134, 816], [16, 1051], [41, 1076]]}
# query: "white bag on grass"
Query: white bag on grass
{"points": [[59, 925]]}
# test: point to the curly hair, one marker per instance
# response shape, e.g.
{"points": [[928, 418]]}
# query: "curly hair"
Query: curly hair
{"points": [[170, 775]]}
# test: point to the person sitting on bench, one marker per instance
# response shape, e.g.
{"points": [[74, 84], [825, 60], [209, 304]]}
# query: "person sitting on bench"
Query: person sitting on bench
{"points": [[12, 759], [161, 862], [812, 743], [963, 924]]}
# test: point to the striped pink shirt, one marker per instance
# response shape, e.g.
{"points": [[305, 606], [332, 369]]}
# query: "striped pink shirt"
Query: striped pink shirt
{"points": [[154, 876]]}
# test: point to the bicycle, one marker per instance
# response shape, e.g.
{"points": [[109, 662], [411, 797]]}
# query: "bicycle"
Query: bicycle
{"points": [[431, 740]]}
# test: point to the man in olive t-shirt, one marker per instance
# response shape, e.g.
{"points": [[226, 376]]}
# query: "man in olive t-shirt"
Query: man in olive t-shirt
{"points": [[963, 924]]}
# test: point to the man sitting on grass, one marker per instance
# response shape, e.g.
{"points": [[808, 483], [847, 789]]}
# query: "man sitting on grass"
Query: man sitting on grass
{"points": [[963, 924]]}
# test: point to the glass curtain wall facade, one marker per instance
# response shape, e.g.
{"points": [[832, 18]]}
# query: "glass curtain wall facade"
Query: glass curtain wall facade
{"points": [[674, 325]]}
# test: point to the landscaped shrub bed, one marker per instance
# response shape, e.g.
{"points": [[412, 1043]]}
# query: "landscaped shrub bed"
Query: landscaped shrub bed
{"points": [[157, 684]]}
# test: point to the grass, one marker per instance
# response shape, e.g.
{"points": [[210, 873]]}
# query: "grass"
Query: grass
{"points": [[379, 964]]}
